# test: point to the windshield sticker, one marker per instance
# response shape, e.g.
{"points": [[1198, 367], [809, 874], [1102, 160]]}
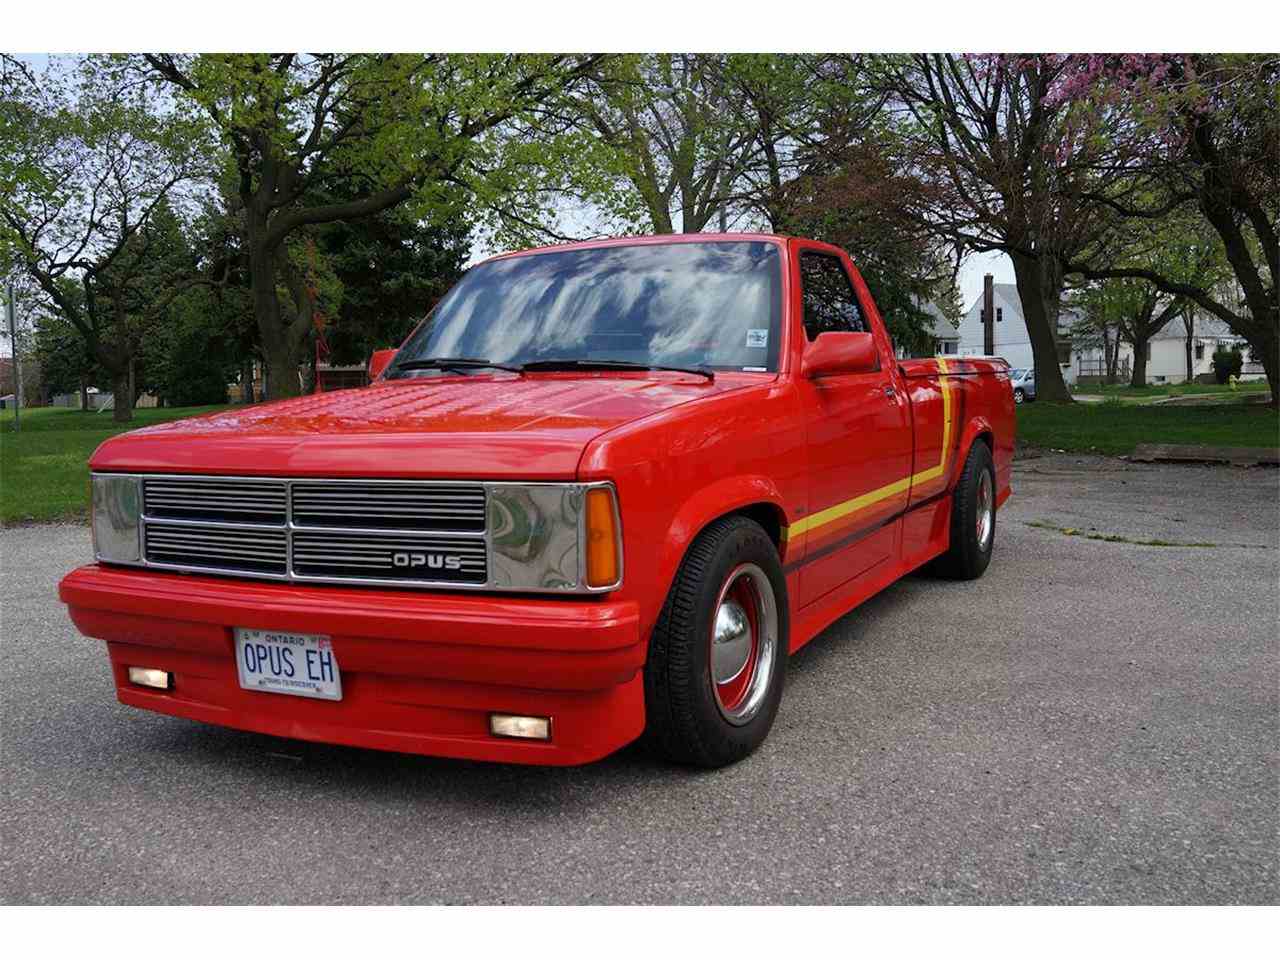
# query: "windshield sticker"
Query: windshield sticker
{"points": [[758, 338]]}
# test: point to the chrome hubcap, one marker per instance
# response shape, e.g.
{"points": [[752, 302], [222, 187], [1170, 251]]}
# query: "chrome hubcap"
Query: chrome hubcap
{"points": [[986, 510], [744, 642], [731, 642]]}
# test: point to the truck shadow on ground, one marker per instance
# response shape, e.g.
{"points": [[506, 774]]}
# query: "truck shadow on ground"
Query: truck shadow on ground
{"points": [[257, 761]]}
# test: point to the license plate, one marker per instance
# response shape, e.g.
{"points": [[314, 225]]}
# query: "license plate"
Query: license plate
{"points": [[301, 664]]}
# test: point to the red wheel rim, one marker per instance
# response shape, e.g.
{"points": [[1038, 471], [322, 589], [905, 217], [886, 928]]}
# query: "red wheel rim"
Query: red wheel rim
{"points": [[743, 642]]}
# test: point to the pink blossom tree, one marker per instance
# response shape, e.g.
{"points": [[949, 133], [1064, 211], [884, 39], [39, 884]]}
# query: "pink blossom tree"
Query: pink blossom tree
{"points": [[1203, 134]]}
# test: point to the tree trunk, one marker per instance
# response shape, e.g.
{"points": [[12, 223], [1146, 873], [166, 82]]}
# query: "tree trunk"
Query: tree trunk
{"points": [[1139, 378], [1269, 350], [1191, 363], [246, 382], [84, 394], [1040, 290], [122, 404], [279, 348], [282, 378]]}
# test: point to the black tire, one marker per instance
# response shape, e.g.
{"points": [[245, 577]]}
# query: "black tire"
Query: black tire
{"points": [[685, 722], [1019, 395], [967, 558]]}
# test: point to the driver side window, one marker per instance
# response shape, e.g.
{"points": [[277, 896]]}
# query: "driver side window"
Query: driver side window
{"points": [[830, 304]]}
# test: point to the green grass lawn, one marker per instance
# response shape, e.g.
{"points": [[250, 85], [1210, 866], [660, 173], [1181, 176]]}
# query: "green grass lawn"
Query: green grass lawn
{"points": [[1117, 428], [1155, 390], [43, 472], [43, 469]]}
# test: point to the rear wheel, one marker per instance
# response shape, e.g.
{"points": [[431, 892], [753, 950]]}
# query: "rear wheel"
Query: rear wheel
{"points": [[973, 518], [717, 658]]}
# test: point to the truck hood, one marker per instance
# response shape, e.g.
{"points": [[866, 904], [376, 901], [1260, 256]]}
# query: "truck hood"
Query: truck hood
{"points": [[532, 427]]}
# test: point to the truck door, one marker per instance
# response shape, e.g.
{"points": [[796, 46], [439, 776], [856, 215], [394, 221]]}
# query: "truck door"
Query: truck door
{"points": [[858, 431]]}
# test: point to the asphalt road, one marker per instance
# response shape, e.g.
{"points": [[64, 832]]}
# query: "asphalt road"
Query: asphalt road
{"points": [[1091, 722]]}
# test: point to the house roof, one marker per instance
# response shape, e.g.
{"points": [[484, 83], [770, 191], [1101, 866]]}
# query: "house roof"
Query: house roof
{"points": [[1207, 326], [1006, 295], [940, 328]]}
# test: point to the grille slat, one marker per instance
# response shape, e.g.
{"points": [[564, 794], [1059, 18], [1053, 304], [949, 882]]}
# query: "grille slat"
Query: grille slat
{"points": [[407, 532], [215, 500], [441, 507], [211, 548], [395, 557]]}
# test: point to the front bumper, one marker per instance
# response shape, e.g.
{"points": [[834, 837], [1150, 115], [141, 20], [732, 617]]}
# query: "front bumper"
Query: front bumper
{"points": [[421, 672]]}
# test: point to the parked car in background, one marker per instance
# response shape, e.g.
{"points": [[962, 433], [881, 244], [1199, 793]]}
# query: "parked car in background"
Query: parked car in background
{"points": [[602, 492], [1023, 381]]}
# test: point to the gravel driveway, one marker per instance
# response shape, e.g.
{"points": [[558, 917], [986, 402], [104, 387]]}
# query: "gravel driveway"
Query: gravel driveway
{"points": [[1094, 721]]}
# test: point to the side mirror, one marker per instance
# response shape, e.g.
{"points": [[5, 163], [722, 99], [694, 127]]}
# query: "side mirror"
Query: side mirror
{"points": [[379, 362], [833, 353]]}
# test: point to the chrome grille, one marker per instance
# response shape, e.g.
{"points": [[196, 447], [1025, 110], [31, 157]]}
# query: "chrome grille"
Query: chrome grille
{"points": [[395, 531], [251, 551], [391, 556], [390, 505], [217, 500]]}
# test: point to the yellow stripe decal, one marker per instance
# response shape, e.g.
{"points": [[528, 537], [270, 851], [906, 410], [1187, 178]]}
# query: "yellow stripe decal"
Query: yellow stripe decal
{"points": [[831, 514]]}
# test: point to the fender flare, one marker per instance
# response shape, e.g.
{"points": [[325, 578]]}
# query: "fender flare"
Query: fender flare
{"points": [[975, 427], [725, 496]]}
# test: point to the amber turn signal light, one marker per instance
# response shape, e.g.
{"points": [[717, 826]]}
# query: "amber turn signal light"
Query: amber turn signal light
{"points": [[604, 551]]}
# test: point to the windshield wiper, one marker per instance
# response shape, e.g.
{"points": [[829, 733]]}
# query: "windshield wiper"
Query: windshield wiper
{"points": [[453, 363], [567, 364]]}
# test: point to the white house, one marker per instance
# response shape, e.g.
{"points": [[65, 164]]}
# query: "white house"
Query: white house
{"points": [[1166, 351], [1011, 339]]}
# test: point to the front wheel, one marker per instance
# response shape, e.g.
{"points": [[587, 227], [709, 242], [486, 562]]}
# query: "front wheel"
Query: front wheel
{"points": [[718, 655], [1019, 395], [973, 518]]}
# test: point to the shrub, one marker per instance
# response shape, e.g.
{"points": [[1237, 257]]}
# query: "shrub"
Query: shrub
{"points": [[1227, 363]]}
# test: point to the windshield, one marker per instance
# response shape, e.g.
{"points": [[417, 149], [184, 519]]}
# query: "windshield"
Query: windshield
{"points": [[715, 304]]}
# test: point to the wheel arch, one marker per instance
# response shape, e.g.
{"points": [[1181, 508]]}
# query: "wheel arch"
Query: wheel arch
{"points": [[756, 498], [979, 429]]}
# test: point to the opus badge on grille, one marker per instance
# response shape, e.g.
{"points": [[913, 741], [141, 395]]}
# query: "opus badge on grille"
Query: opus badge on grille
{"points": [[432, 561]]}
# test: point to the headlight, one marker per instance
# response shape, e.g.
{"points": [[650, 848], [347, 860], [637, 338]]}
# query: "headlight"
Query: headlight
{"points": [[116, 511], [554, 536]]}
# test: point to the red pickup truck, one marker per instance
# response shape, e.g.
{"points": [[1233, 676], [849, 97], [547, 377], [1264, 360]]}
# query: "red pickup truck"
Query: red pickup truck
{"points": [[600, 493]]}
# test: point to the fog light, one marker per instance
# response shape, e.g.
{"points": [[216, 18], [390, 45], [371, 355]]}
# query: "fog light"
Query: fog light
{"points": [[528, 728], [146, 677]]}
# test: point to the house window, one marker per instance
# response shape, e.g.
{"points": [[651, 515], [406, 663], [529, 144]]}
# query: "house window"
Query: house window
{"points": [[949, 346], [1064, 353], [999, 314], [1199, 351], [829, 302]]}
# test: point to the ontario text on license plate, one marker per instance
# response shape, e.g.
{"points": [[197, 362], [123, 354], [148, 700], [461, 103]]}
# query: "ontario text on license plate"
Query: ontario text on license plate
{"points": [[302, 664]]}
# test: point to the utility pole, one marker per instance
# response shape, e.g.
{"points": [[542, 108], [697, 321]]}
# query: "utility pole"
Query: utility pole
{"points": [[988, 316], [17, 364]]}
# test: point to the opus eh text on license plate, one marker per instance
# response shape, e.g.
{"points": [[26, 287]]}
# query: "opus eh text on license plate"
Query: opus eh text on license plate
{"points": [[302, 664]]}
